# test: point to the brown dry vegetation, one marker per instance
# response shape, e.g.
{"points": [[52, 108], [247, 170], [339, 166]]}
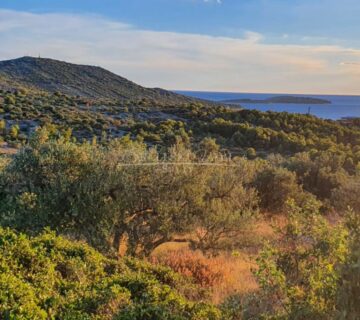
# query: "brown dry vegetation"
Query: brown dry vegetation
{"points": [[226, 274]]}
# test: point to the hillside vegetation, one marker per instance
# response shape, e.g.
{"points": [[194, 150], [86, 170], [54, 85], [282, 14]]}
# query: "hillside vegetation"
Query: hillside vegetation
{"points": [[79, 80], [122, 195], [150, 209]]}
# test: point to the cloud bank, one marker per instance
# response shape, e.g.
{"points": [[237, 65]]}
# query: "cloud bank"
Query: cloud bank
{"points": [[178, 60]]}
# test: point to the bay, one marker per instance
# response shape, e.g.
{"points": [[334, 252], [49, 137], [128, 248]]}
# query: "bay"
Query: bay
{"points": [[341, 106]]}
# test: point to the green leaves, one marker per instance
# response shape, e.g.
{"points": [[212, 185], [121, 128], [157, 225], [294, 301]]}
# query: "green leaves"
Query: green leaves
{"points": [[49, 277], [301, 274]]}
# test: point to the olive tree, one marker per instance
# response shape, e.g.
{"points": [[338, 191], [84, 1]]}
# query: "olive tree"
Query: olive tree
{"points": [[125, 194], [276, 185]]}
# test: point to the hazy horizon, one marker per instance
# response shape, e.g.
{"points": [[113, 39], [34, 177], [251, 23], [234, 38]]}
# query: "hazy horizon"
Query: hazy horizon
{"points": [[267, 93]]}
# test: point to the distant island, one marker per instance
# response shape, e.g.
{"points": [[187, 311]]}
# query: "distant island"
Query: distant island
{"points": [[281, 99]]}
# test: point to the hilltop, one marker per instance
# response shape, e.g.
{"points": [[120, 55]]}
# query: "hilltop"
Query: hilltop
{"points": [[77, 80]]}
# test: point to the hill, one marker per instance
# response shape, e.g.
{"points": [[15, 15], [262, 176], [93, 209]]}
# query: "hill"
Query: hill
{"points": [[77, 80]]}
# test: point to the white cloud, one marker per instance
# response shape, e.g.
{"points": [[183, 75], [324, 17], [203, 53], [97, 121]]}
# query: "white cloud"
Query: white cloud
{"points": [[216, 1], [348, 63], [178, 60]]}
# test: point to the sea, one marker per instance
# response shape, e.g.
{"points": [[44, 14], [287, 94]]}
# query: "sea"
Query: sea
{"points": [[340, 107]]}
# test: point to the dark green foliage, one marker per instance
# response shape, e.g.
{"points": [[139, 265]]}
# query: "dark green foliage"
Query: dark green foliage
{"points": [[271, 131], [275, 187], [320, 172]]}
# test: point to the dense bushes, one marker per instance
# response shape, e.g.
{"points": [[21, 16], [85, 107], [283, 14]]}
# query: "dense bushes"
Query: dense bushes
{"points": [[283, 132], [311, 274], [50, 277], [163, 124], [33, 109], [126, 192]]}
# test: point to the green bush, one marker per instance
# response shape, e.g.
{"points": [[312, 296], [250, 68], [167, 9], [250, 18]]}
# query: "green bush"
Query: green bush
{"points": [[299, 276], [50, 277], [10, 99]]}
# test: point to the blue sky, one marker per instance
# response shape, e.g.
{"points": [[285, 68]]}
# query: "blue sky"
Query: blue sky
{"points": [[228, 45], [327, 20]]}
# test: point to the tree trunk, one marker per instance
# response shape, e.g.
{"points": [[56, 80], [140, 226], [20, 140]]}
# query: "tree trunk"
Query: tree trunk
{"points": [[120, 241]]}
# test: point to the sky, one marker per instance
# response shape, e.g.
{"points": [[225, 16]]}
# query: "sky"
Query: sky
{"points": [[273, 46]]}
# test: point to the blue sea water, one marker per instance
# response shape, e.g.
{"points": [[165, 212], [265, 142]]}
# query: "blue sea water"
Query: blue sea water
{"points": [[340, 107]]}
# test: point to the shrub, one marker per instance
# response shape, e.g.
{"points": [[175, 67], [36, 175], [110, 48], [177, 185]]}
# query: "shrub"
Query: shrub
{"points": [[347, 195], [299, 277], [14, 131], [208, 146], [2, 126], [49, 277], [251, 153], [275, 186], [10, 100]]}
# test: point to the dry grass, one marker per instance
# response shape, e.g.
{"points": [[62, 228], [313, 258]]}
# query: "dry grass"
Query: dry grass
{"points": [[226, 274], [238, 276], [5, 149]]}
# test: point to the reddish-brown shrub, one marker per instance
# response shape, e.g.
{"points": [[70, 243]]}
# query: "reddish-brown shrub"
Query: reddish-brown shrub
{"points": [[205, 272]]}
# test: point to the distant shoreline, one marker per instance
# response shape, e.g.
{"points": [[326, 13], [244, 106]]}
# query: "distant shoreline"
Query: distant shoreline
{"points": [[279, 99]]}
